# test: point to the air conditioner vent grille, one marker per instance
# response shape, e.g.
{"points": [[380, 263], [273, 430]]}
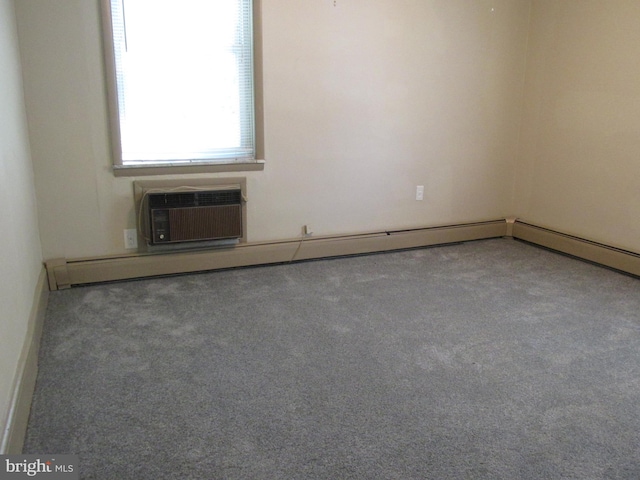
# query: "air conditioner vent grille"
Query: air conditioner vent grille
{"points": [[195, 215], [195, 199], [199, 223]]}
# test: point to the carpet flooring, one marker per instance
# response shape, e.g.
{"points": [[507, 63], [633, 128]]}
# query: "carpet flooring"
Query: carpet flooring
{"points": [[484, 360]]}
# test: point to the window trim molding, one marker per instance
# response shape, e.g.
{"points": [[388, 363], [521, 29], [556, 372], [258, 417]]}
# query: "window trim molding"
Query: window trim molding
{"points": [[122, 170], [200, 167]]}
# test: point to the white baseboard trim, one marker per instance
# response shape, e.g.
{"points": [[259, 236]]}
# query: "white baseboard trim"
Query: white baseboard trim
{"points": [[612, 257], [63, 273], [15, 426]]}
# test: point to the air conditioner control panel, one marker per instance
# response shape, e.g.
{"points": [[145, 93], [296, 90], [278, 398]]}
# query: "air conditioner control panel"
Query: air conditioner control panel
{"points": [[160, 226]]}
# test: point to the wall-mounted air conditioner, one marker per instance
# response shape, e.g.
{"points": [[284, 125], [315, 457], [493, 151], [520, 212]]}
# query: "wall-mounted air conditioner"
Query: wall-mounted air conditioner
{"points": [[191, 213]]}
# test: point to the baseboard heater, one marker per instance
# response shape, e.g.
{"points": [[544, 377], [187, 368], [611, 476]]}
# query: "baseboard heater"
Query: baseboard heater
{"points": [[175, 217], [64, 273]]}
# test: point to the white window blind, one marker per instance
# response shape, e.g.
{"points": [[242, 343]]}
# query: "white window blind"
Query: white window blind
{"points": [[184, 80]]}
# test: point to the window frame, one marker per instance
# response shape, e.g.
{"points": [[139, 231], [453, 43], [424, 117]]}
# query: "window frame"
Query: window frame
{"points": [[150, 168]]}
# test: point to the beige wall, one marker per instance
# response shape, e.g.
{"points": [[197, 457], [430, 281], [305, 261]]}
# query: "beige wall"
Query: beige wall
{"points": [[579, 159], [21, 260], [498, 107], [364, 100]]}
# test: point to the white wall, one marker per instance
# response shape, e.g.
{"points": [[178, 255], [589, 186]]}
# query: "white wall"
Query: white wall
{"points": [[364, 100], [21, 261], [580, 150]]}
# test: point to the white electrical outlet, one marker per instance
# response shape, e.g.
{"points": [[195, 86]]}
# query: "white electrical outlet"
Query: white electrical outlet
{"points": [[130, 238], [308, 230], [420, 192]]}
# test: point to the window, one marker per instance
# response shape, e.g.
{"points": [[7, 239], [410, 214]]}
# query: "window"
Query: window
{"points": [[181, 82]]}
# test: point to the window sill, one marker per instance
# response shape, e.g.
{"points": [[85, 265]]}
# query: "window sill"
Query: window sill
{"points": [[177, 168]]}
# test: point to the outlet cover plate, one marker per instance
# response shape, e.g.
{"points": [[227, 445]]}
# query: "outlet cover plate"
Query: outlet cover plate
{"points": [[130, 238]]}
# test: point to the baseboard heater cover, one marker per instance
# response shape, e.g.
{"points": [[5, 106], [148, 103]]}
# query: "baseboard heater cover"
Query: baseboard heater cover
{"points": [[619, 259], [65, 273]]}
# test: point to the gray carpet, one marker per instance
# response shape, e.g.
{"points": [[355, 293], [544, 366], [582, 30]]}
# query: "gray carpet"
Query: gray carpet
{"points": [[485, 360]]}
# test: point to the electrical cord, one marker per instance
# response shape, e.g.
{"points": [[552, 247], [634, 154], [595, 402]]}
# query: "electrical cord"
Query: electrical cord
{"points": [[297, 249]]}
